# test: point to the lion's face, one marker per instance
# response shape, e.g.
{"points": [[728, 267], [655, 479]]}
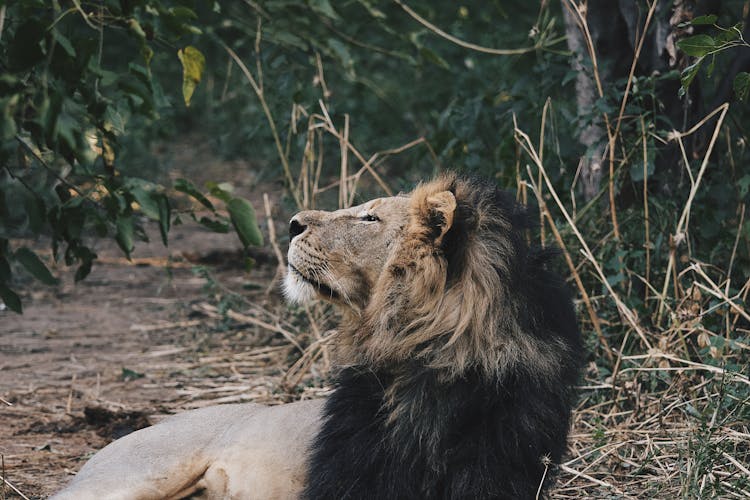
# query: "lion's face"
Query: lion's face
{"points": [[338, 256]]}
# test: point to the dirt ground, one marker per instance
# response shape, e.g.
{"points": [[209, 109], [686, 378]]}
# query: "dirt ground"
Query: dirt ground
{"points": [[89, 362]]}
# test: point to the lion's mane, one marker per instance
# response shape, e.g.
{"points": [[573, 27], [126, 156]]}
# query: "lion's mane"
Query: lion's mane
{"points": [[457, 378]]}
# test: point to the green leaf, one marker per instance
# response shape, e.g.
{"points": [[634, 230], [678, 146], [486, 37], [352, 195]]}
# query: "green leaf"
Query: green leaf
{"points": [[136, 28], [83, 270], [193, 64], [214, 225], [222, 191], [147, 202], [165, 215], [10, 299], [728, 34], [124, 235], [35, 266], [374, 12], [64, 43], [128, 374], [688, 74], [742, 85], [324, 7], [433, 57], [702, 20], [245, 223], [187, 187], [698, 45]]}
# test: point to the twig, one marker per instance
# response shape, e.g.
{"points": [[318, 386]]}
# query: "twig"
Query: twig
{"points": [[647, 234], [327, 124], [716, 291], [570, 470], [576, 276], [498, 52], [2, 19], [269, 118], [613, 135], [280, 267], [15, 490], [164, 326], [254, 321], [683, 221], [736, 463], [525, 142], [700, 366], [731, 260], [344, 144]]}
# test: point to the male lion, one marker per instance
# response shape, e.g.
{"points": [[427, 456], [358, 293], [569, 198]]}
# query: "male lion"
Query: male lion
{"points": [[458, 353]]}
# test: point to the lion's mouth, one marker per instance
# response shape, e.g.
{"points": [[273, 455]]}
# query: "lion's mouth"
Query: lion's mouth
{"points": [[323, 290]]}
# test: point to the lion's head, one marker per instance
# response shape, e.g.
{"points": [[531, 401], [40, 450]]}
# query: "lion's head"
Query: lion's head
{"points": [[338, 256], [441, 275]]}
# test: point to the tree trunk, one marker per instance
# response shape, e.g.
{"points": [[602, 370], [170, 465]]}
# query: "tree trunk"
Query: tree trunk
{"points": [[615, 29]]}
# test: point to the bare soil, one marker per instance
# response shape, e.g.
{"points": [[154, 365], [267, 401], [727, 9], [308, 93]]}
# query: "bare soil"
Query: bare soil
{"points": [[137, 340]]}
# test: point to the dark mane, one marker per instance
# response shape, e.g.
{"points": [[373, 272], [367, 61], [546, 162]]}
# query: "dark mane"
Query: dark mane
{"points": [[438, 416]]}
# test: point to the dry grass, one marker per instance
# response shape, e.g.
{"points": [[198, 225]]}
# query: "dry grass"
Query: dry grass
{"points": [[664, 401]]}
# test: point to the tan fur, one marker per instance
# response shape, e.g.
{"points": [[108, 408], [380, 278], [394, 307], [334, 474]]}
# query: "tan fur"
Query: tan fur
{"points": [[238, 451]]}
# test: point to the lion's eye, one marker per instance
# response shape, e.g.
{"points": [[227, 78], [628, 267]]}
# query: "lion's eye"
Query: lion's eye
{"points": [[369, 218]]}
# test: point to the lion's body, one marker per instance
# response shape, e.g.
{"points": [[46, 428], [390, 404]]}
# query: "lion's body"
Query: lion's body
{"points": [[237, 451], [458, 353], [460, 366]]}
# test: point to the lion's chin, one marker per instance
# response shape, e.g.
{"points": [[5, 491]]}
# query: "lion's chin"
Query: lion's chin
{"points": [[297, 290]]}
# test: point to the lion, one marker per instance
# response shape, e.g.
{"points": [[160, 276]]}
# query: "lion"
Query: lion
{"points": [[457, 356]]}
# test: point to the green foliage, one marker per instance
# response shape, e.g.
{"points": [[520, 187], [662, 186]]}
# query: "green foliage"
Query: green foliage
{"points": [[243, 219], [76, 82], [704, 46]]}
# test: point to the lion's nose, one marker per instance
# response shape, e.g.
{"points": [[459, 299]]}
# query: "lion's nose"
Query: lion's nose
{"points": [[295, 229]]}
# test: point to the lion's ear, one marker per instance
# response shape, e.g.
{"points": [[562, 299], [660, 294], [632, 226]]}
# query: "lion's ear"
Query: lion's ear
{"points": [[440, 207]]}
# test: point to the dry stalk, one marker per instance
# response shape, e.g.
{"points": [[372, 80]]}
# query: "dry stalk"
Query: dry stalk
{"points": [[258, 89], [612, 134], [471, 46], [647, 234], [542, 130], [594, 480], [274, 328], [280, 267], [576, 276], [12, 487], [684, 220], [326, 124], [523, 139], [716, 291], [688, 365], [344, 143], [731, 262]]}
